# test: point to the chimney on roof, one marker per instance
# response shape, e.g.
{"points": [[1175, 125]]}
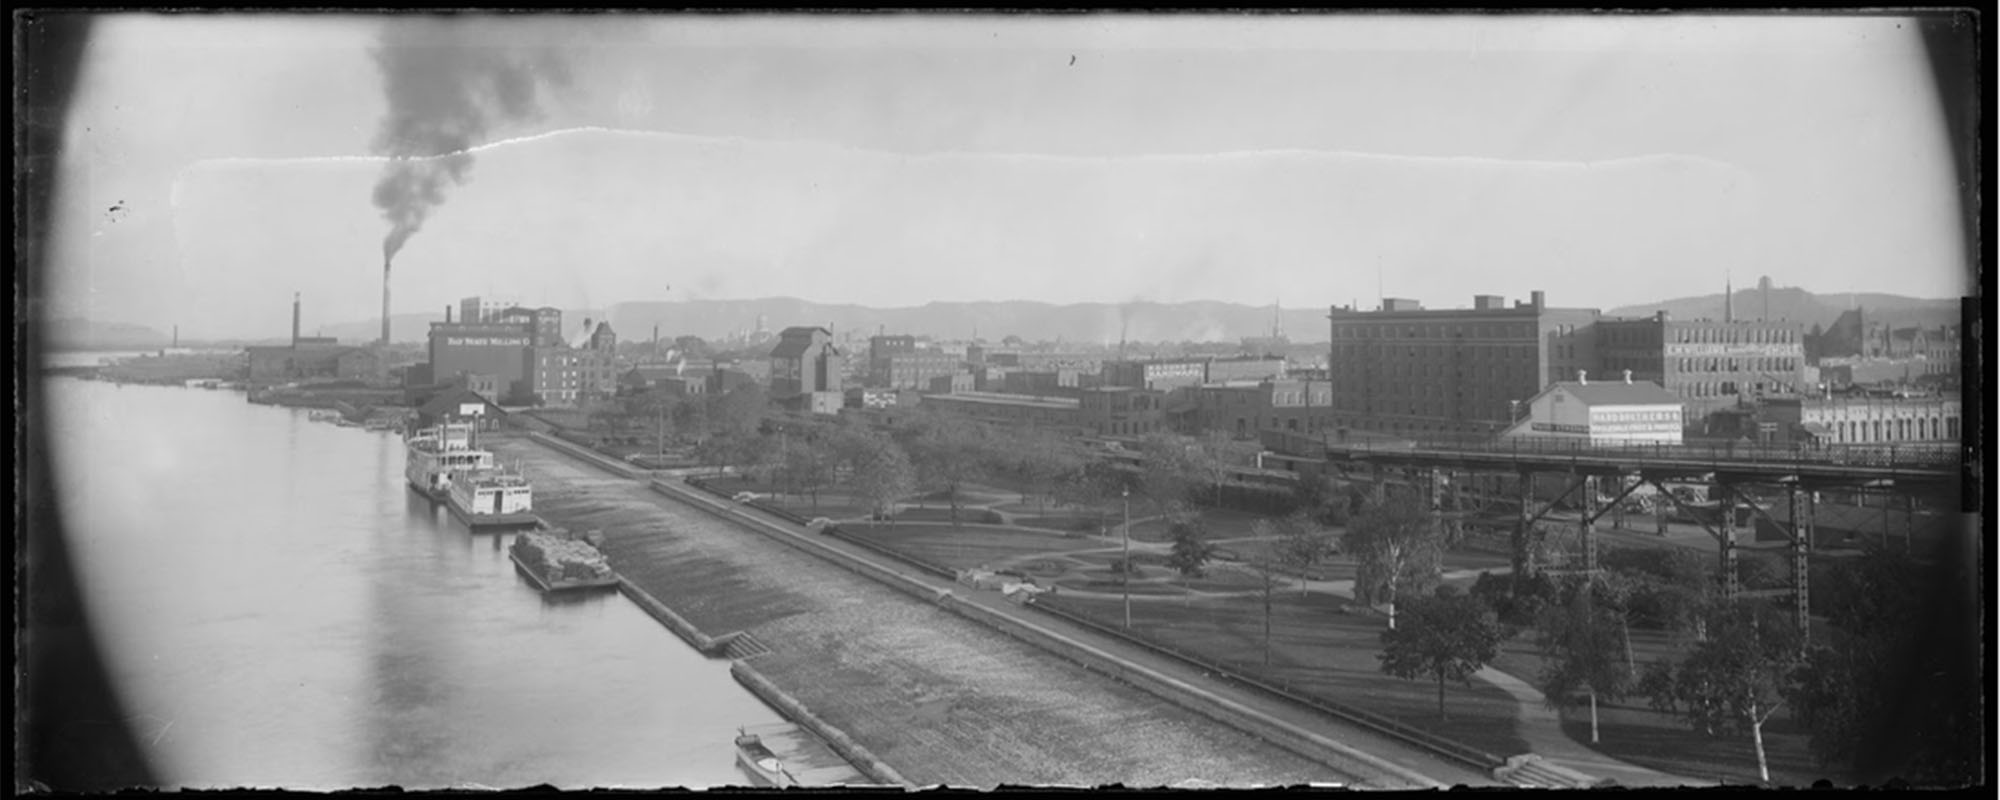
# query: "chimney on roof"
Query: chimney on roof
{"points": [[1628, 376], [1535, 299], [447, 314], [1582, 378]]}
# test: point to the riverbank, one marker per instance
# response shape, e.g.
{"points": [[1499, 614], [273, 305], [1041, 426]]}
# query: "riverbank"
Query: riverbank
{"points": [[942, 698]]}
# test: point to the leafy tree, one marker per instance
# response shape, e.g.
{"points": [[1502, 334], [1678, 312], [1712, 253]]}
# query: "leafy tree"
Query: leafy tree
{"points": [[1446, 636], [1301, 543], [1583, 650], [1731, 680], [948, 454], [1213, 457], [1170, 472], [1093, 484], [1396, 547], [1882, 697], [878, 470], [1191, 550], [1667, 588], [808, 465]]}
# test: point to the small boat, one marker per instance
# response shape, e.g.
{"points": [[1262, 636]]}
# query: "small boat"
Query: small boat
{"points": [[754, 756]]}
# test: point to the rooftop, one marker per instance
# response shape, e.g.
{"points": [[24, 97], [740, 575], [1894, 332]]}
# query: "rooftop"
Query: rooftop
{"points": [[996, 398], [1618, 393]]}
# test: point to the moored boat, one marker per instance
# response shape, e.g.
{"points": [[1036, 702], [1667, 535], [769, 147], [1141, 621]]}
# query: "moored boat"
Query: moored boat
{"points": [[754, 756], [554, 561], [436, 453], [491, 497]]}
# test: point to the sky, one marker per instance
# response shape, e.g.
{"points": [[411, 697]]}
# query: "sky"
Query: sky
{"points": [[215, 165]]}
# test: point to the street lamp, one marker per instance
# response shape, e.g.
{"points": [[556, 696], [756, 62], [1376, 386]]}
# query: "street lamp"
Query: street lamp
{"points": [[1125, 581]]}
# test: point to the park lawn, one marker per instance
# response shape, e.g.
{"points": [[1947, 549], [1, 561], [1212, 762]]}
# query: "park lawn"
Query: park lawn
{"points": [[1630, 730], [1318, 651], [961, 548], [1221, 523]]}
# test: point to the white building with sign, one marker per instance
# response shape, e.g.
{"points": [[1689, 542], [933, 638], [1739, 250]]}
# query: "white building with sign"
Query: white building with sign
{"points": [[1613, 413]]}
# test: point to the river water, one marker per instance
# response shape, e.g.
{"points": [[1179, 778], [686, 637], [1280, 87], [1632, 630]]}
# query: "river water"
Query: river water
{"points": [[278, 609]]}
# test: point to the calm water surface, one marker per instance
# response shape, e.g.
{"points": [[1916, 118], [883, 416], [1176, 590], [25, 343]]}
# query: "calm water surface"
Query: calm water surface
{"points": [[279, 610]]}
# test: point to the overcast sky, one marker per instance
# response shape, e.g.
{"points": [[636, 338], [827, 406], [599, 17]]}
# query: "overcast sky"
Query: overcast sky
{"points": [[215, 165]]}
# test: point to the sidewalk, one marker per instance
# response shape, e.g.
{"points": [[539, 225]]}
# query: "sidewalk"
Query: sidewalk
{"points": [[1542, 727]]}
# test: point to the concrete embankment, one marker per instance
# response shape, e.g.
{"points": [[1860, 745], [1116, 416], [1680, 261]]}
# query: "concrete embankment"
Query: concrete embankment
{"points": [[834, 737], [1291, 737], [944, 699]]}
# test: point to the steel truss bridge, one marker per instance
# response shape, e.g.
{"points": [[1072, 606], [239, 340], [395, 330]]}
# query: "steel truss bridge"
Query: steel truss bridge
{"points": [[1908, 471]]}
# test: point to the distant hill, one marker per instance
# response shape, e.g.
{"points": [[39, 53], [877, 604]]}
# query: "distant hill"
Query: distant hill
{"points": [[993, 321], [83, 334], [1101, 323], [1793, 303]]}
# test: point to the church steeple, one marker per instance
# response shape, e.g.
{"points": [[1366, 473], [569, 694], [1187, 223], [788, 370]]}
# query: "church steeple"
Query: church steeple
{"points": [[1728, 300]]}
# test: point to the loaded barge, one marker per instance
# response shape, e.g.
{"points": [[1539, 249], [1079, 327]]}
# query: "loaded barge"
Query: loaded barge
{"points": [[556, 561]]}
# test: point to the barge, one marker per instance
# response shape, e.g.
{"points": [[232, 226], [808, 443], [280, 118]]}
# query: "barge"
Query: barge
{"points": [[554, 561]]}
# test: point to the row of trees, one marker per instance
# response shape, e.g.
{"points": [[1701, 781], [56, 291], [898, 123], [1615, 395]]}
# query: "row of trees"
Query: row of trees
{"points": [[1892, 693]]}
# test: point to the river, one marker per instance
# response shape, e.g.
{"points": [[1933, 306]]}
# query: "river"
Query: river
{"points": [[278, 609]]}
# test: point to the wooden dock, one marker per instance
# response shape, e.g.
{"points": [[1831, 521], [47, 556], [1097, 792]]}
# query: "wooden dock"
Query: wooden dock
{"points": [[808, 759]]}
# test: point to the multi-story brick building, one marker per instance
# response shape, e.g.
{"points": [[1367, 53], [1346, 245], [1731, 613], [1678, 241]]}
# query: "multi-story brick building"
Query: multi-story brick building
{"points": [[1155, 374], [1242, 409], [566, 376], [1709, 364], [484, 309], [1123, 411], [1244, 368], [912, 370], [1411, 371]]}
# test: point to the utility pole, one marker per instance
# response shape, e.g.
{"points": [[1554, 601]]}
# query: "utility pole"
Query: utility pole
{"points": [[1126, 495]]}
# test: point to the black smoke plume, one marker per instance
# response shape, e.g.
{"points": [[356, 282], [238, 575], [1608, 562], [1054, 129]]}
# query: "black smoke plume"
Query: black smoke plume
{"points": [[450, 83]]}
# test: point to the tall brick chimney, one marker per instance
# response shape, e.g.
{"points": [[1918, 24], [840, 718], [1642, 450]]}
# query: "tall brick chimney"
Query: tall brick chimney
{"points": [[295, 319]]}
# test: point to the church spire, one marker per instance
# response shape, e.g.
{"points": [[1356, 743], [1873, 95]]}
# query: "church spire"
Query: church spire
{"points": [[1728, 300]]}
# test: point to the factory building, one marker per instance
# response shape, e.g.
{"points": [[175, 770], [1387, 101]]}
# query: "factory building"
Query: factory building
{"points": [[310, 357], [501, 350], [1410, 371]]}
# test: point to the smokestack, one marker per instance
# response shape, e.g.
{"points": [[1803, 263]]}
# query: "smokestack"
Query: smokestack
{"points": [[295, 319], [447, 313], [385, 301], [177, 336]]}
